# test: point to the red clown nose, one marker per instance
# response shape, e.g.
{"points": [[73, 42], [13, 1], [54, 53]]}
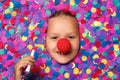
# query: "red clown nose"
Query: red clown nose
{"points": [[64, 45]]}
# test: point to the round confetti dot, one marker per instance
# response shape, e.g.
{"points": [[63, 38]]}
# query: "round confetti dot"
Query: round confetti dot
{"points": [[61, 70], [2, 51], [110, 73], [116, 47], [93, 10], [47, 69], [96, 23], [102, 66], [85, 1], [77, 1], [84, 58], [78, 15], [116, 27], [14, 13], [66, 75], [104, 61], [30, 47], [75, 71], [88, 71], [11, 31], [48, 12], [55, 74], [94, 48], [103, 8], [8, 16], [24, 38], [72, 2], [31, 28], [37, 32]]}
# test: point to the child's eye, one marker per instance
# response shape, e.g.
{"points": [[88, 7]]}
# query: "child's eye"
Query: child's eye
{"points": [[54, 37], [71, 37]]}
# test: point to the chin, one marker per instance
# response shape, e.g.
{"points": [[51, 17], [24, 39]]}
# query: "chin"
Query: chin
{"points": [[63, 61]]}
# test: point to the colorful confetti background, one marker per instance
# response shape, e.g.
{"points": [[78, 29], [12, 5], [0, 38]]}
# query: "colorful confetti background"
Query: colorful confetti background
{"points": [[23, 24]]}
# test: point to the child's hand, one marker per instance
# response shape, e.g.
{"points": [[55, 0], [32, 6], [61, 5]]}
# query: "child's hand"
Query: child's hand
{"points": [[20, 66]]}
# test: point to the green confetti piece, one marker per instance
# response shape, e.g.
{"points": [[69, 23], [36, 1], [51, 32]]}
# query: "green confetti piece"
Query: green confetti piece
{"points": [[61, 70], [116, 27], [102, 8], [117, 52], [11, 31], [2, 51]]}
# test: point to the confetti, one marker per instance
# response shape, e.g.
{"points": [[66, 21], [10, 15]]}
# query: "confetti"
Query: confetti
{"points": [[23, 24]]}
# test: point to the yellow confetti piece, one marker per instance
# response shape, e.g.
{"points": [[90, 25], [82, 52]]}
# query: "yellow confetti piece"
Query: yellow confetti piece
{"points": [[84, 58], [110, 73], [93, 10], [116, 47], [84, 35], [85, 2], [24, 38], [47, 69], [67, 75], [76, 71], [35, 38], [72, 2], [88, 71], [105, 29], [94, 48], [95, 56], [14, 13], [113, 14], [104, 61], [32, 27], [95, 79], [7, 11], [97, 23], [40, 46], [25, 18], [30, 47], [11, 5]]}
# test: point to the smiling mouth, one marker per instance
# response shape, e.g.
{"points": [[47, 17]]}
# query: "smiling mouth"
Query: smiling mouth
{"points": [[63, 53]]}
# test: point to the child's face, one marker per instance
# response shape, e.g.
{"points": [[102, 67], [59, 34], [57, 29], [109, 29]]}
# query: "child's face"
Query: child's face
{"points": [[62, 27]]}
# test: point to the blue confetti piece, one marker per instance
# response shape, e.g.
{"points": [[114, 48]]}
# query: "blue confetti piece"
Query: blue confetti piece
{"points": [[8, 16], [57, 2], [9, 57]]}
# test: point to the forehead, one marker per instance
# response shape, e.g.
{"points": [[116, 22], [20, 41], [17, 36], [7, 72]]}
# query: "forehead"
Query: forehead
{"points": [[62, 19], [62, 23]]}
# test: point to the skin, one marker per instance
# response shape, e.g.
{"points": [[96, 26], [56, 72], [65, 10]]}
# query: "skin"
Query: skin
{"points": [[62, 27], [21, 64], [58, 27]]}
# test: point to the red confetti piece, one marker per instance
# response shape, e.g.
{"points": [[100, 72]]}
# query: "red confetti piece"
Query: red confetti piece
{"points": [[83, 21], [1, 45]]}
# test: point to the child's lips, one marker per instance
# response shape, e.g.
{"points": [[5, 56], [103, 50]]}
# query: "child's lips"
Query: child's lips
{"points": [[62, 53]]}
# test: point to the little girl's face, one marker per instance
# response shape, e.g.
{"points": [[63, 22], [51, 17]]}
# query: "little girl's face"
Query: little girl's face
{"points": [[62, 27]]}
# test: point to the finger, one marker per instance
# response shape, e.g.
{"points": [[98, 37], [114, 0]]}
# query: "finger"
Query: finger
{"points": [[26, 62], [27, 59], [27, 56]]}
